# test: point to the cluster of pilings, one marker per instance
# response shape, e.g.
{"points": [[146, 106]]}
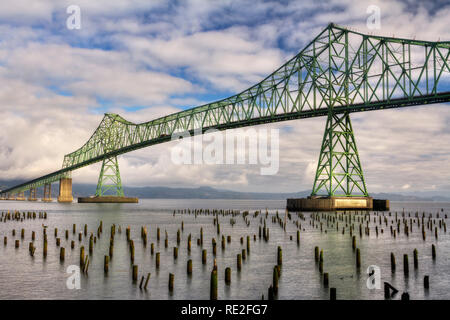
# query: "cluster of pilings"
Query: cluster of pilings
{"points": [[356, 225], [22, 216]]}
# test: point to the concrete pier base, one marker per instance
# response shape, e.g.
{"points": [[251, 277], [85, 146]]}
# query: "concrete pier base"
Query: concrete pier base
{"points": [[47, 193], [32, 196], [20, 196], [108, 199], [65, 190], [336, 203]]}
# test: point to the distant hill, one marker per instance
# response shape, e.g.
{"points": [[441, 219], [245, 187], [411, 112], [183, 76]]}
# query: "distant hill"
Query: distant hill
{"points": [[83, 190]]}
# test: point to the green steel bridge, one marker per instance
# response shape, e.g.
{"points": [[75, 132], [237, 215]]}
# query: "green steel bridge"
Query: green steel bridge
{"points": [[339, 72]]}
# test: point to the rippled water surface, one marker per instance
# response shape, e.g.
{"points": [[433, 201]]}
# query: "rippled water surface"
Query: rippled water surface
{"points": [[26, 277]]}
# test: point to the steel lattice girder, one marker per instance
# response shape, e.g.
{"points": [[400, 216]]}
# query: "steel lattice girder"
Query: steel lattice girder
{"points": [[339, 69], [109, 182], [339, 171]]}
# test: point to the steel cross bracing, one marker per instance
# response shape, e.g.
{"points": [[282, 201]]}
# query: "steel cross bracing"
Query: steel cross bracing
{"points": [[109, 182], [340, 71]]}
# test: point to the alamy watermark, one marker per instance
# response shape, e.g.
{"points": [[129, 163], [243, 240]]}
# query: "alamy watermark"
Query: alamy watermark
{"points": [[239, 146], [374, 20], [374, 280], [73, 21], [73, 281]]}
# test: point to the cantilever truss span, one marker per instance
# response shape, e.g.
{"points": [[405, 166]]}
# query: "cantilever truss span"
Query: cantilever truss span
{"points": [[338, 72]]}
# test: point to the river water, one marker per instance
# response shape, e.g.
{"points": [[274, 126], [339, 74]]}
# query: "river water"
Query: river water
{"points": [[26, 277]]}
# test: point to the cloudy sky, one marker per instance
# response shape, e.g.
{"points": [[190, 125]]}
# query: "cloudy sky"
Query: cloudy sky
{"points": [[146, 58]]}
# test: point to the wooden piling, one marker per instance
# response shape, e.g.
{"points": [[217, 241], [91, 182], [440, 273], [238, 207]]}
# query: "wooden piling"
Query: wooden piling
{"points": [[106, 264], [426, 282], [189, 267], [157, 260], [62, 252], [392, 262], [332, 293], [135, 273], [325, 279], [213, 287], [44, 250], [279, 256], [275, 280], [146, 281], [204, 256], [228, 275], [239, 262], [416, 259], [358, 258], [82, 257], [405, 264], [171, 279], [433, 251]]}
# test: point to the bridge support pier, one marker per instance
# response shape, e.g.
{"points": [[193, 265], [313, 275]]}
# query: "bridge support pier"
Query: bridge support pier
{"points": [[20, 196], [32, 196], [65, 190], [47, 192], [339, 183], [109, 187]]}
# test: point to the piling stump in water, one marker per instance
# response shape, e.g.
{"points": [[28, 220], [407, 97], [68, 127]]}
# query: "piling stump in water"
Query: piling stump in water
{"points": [[433, 251], [204, 256], [171, 279], [270, 295], [62, 252], [213, 289], [332, 293], [275, 280], [239, 262], [44, 251], [189, 267], [426, 282], [146, 281], [82, 257], [405, 264], [279, 256], [17, 244], [392, 262], [358, 258], [228, 275], [135, 273], [416, 259], [157, 260], [106, 264], [325, 279]]}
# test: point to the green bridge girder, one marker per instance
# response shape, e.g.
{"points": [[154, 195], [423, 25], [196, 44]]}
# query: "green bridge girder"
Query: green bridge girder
{"points": [[339, 72]]}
